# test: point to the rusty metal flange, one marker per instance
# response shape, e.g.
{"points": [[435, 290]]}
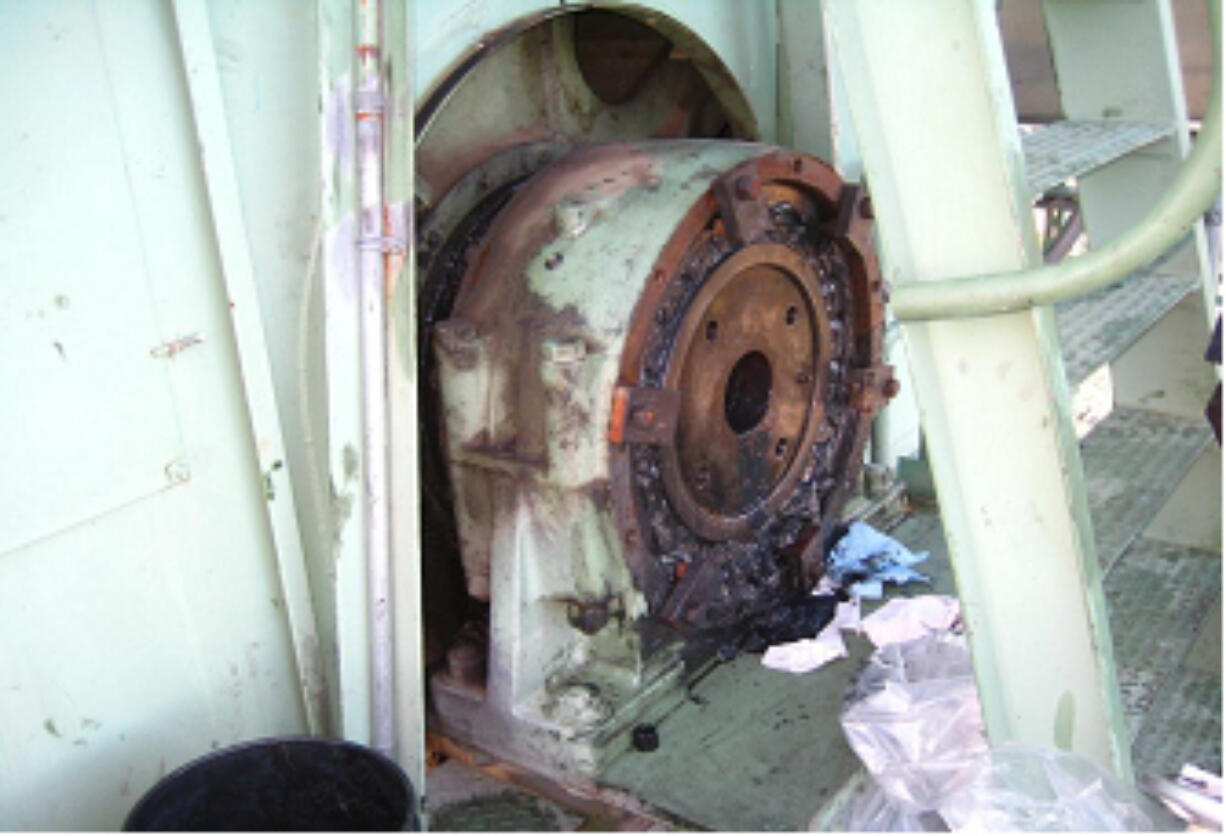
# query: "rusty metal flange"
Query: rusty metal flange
{"points": [[750, 391], [762, 325]]}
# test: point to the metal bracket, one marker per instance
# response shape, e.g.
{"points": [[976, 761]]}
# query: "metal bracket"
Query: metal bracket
{"points": [[854, 206], [745, 214], [368, 103], [383, 244], [643, 415]]}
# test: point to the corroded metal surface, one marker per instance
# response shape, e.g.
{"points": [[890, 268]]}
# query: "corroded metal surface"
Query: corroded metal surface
{"points": [[656, 382], [535, 89], [748, 378], [769, 327]]}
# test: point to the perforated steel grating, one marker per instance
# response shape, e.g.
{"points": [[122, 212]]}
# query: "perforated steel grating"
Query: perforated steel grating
{"points": [[1157, 594], [1061, 150], [1184, 726], [1132, 462], [1099, 326]]}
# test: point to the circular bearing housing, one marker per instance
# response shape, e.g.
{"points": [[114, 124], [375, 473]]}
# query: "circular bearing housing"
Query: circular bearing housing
{"points": [[746, 361], [683, 338], [766, 321]]}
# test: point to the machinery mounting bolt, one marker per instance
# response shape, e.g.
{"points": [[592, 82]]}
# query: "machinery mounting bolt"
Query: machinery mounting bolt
{"points": [[643, 418], [466, 663], [563, 352]]}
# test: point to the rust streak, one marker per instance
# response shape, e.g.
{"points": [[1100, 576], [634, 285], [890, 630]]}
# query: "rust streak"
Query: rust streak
{"points": [[617, 420]]}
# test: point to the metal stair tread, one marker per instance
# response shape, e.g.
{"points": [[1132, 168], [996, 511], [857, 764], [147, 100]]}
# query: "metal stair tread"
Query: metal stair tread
{"points": [[1061, 150], [1154, 591], [1183, 726], [1098, 327], [1133, 461]]}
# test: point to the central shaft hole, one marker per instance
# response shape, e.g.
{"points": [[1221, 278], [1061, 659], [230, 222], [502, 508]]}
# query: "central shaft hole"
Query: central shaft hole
{"points": [[749, 392]]}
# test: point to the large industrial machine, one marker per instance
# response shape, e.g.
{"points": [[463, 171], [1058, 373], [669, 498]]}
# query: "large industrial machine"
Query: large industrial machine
{"points": [[651, 367], [562, 323]]}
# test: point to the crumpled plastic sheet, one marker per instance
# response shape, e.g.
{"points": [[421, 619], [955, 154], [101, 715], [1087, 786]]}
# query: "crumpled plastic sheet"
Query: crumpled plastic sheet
{"points": [[864, 560], [907, 619], [914, 721], [1030, 788], [898, 620]]}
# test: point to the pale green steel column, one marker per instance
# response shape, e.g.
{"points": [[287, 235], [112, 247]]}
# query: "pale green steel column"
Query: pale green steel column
{"points": [[932, 108], [405, 501]]}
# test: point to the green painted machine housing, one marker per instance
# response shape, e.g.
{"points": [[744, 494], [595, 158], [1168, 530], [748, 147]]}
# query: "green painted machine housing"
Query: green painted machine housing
{"points": [[528, 404]]}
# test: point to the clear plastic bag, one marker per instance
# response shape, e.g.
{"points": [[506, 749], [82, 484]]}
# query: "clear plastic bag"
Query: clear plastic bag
{"points": [[914, 721], [872, 810], [1033, 789]]}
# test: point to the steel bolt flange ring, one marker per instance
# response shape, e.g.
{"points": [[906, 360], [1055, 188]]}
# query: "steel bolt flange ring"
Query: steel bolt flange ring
{"points": [[748, 364]]}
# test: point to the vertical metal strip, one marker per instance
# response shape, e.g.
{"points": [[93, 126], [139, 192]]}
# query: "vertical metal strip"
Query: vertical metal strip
{"points": [[208, 112], [368, 112], [343, 583], [405, 504]]}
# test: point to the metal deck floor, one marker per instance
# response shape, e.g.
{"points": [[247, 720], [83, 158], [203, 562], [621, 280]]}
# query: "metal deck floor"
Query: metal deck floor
{"points": [[765, 750], [755, 749]]}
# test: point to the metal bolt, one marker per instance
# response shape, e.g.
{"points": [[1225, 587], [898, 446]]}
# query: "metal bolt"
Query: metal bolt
{"points": [[573, 216], [643, 418], [466, 663], [177, 472], [456, 337], [563, 352], [589, 617]]}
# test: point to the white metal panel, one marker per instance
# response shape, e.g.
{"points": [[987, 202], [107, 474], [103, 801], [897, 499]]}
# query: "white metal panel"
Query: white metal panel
{"points": [[82, 349], [157, 631]]}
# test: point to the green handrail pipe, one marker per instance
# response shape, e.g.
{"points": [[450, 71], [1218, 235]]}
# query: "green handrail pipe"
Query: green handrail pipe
{"points": [[1195, 186]]}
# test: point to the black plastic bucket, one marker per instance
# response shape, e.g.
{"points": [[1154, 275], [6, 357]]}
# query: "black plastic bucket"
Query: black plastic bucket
{"points": [[299, 783]]}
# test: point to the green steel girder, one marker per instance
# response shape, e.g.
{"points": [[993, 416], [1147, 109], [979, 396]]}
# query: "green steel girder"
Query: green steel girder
{"points": [[932, 108]]}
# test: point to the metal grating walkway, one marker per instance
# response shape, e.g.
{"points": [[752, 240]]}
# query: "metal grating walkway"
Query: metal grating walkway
{"points": [[1133, 460], [1157, 595], [1098, 327], [1056, 152]]}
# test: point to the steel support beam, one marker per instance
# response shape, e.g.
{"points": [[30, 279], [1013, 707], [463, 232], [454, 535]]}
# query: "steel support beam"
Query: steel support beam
{"points": [[932, 107], [238, 274], [404, 498]]}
